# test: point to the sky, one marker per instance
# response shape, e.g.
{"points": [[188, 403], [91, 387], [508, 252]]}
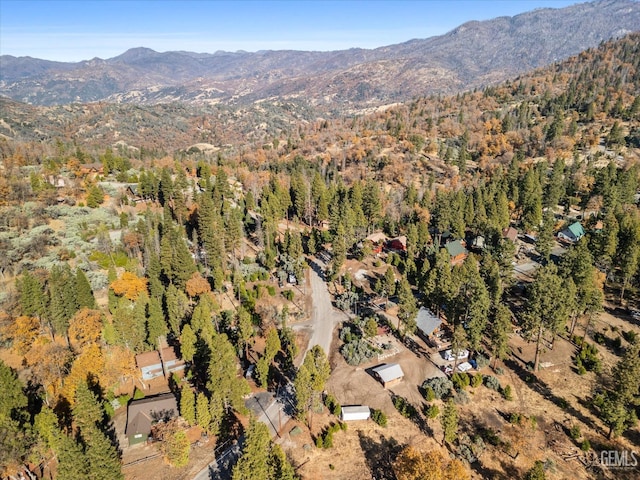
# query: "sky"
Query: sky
{"points": [[78, 30]]}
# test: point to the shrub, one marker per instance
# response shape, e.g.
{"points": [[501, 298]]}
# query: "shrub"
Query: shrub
{"points": [[404, 407], [272, 290], [460, 380], [575, 432], [429, 394], [379, 417], [490, 436], [138, 394], [461, 398], [482, 360], [588, 358], [586, 445], [432, 411], [515, 418], [506, 393], [630, 336], [476, 380], [332, 404], [288, 294], [492, 382], [441, 386], [357, 352]]}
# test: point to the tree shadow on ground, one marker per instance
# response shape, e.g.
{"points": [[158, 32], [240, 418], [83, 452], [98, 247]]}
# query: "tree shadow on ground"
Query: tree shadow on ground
{"points": [[380, 455], [540, 387]]}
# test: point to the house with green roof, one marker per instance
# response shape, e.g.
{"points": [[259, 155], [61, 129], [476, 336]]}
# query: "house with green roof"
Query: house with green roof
{"points": [[457, 251], [572, 233]]}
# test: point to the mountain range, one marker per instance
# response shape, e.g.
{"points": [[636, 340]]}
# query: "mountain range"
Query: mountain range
{"points": [[473, 55]]}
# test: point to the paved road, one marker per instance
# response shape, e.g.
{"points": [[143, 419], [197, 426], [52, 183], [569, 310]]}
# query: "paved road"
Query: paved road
{"points": [[220, 468], [324, 317]]}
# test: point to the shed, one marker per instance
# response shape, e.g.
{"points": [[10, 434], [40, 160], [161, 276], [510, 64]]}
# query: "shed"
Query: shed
{"points": [[389, 374], [355, 412], [427, 323], [143, 413], [572, 233]]}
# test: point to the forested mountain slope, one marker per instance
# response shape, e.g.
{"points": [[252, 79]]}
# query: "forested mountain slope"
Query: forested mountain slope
{"points": [[472, 55]]}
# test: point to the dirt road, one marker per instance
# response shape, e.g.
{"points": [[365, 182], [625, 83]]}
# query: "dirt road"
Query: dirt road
{"points": [[324, 317]]}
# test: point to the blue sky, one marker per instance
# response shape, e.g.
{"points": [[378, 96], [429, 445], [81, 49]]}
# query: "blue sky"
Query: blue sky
{"points": [[84, 29]]}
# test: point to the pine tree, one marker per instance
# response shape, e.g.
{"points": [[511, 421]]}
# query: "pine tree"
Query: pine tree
{"points": [[254, 462], [500, 330], [87, 411], [156, 325], [187, 404], [85, 296], [407, 308], [188, 341], [72, 462], [223, 379], [216, 414], [203, 414], [449, 420], [102, 456]]}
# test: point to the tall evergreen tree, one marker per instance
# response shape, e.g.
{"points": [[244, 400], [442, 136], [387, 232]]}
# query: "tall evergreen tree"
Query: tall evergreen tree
{"points": [[85, 296], [188, 404]]}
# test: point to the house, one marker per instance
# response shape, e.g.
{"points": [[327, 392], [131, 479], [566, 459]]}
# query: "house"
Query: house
{"points": [[143, 413], [427, 323], [91, 170], [398, 243], [150, 365], [355, 412], [377, 240], [572, 233], [457, 251], [389, 374], [510, 234], [170, 361], [133, 193]]}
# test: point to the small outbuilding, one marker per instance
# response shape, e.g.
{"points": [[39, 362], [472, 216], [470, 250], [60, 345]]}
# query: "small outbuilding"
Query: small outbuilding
{"points": [[150, 365], [398, 243], [457, 251], [389, 374], [355, 412]]}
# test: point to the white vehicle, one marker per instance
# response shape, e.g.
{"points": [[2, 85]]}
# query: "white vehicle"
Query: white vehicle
{"points": [[464, 367], [462, 354]]}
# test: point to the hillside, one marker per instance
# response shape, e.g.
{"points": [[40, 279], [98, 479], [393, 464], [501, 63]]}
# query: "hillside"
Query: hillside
{"points": [[472, 55]]}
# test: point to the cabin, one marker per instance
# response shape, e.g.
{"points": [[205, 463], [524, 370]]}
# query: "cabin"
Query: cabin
{"points": [[510, 234], [377, 240], [133, 193], [572, 233], [388, 374], [143, 413], [355, 412], [91, 170], [427, 324], [150, 365], [398, 243], [457, 251]]}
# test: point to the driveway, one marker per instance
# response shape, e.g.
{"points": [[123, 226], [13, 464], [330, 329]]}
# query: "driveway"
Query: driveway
{"points": [[324, 318]]}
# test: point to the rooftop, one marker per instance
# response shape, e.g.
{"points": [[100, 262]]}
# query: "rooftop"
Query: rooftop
{"points": [[388, 372]]}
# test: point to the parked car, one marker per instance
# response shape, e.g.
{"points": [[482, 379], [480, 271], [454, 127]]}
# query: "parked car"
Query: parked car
{"points": [[464, 367], [462, 354], [447, 369]]}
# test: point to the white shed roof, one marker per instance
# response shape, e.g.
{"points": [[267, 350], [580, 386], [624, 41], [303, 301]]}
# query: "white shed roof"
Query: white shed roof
{"points": [[389, 372], [356, 412]]}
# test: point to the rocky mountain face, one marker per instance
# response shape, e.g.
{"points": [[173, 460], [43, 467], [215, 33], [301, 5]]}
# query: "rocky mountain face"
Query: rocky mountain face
{"points": [[472, 55]]}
